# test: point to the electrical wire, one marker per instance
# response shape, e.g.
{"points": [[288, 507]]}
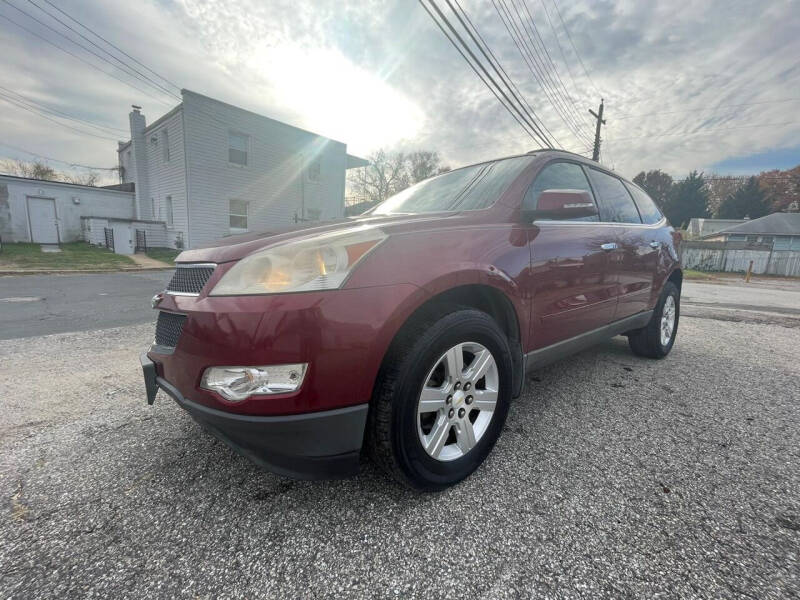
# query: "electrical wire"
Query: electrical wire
{"points": [[57, 160], [57, 113], [136, 72], [18, 104], [522, 122], [470, 27], [572, 43], [83, 60]]}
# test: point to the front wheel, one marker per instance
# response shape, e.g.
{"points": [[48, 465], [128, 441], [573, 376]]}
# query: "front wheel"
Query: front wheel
{"points": [[657, 338], [441, 399]]}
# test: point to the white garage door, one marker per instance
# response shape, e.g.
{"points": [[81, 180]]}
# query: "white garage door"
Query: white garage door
{"points": [[42, 214]]}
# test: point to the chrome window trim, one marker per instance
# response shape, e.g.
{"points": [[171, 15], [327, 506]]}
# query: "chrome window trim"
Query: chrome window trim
{"points": [[661, 223]]}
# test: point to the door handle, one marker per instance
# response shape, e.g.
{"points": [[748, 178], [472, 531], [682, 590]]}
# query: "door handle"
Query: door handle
{"points": [[609, 246], [655, 244]]}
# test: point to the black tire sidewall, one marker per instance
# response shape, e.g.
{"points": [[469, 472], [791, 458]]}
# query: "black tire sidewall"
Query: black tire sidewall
{"points": [[463, 326]]}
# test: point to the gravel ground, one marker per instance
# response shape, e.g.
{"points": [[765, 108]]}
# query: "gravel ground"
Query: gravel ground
{"points": [[615, 477]]}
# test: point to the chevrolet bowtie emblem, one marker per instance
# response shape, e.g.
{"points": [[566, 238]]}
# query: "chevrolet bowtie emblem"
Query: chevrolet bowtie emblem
{"points": [[156, 299]]}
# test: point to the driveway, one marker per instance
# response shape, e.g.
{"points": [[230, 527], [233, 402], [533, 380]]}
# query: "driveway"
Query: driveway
{"points": [[615, 477]]}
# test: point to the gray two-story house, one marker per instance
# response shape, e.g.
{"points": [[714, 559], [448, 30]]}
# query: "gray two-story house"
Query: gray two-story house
{"points": [[209, 169]]}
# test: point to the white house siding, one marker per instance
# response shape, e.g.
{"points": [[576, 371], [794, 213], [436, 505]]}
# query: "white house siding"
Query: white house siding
{"points": [[274, 182], [14, 192], [168, 178]]}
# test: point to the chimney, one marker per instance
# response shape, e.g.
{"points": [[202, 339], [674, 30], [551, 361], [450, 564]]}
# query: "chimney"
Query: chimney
{"points": [[138, 124]]}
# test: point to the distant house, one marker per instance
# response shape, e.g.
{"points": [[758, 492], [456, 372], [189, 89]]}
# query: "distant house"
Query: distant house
{"points": [[699, 227], [208, 169], [781, 230]]}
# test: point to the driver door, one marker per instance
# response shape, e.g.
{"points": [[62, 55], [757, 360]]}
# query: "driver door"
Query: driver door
{"points": [[572, 282]]}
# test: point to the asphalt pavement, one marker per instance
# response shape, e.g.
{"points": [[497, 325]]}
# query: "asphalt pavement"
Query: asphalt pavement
{"points": [[615, 477], [32, 305]]}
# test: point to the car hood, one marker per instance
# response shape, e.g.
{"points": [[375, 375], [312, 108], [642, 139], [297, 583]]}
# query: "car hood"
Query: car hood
{"points": [[238, 246]]}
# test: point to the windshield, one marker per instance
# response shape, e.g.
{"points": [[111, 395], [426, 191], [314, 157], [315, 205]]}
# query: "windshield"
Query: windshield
{"points": [[470, 188]]}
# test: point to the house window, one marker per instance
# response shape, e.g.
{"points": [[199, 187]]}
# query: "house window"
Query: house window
{"points": [[237, 215], [165, 144], [314, 170], [168, 208], [238, 145]]}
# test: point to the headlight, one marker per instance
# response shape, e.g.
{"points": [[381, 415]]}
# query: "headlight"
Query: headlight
{"points": [[319, 263]]}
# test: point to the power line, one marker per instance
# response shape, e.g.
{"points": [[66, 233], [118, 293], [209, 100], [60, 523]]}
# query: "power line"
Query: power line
{"points": [[675, 112], [175, 85], [522, 122], [497, 62], [57, 113], [82, 47], [531, 62], [572, 43], [141, 75], [563, 92], [501, 72], [83, 60], [57, 160], [531, 58], [19, 104], [704, 131]]}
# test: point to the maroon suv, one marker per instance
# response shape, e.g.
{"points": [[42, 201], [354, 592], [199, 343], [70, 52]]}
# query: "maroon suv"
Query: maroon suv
{"points": [[409, 330]]}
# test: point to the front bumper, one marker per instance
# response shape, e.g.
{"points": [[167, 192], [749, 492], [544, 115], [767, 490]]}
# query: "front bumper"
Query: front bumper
{"points": [[317, 445]]}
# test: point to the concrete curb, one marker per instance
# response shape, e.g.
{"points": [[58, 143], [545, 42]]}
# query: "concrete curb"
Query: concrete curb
{"points": [[8, 273]]}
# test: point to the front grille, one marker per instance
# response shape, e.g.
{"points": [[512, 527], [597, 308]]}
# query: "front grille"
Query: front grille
{"points": [[190, 279], [168, 328]]}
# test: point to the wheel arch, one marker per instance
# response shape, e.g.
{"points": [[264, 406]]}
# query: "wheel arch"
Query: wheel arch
{"points": [[486, 298]]}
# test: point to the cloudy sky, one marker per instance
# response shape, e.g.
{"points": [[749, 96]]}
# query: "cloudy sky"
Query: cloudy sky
{"points": [[708, 85]]}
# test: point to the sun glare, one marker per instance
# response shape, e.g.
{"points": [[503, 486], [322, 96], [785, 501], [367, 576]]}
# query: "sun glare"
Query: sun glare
{"points": [[337, 98]]}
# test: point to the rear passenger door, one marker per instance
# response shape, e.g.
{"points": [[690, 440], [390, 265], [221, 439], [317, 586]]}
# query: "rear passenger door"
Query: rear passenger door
{"points": [[571, 286], [632, 260]]}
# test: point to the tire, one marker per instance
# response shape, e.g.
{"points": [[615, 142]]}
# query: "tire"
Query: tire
{"points": [[406, 442], [648, 341]]}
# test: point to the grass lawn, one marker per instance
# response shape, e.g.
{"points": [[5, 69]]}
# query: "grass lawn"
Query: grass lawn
{"points": [[166, 255], [697, 275], [75, 255]]}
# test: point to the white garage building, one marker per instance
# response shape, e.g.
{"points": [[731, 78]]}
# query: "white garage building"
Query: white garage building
{"points": [[52, 212]]}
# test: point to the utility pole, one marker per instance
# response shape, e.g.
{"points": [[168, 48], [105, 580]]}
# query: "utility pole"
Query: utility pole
{"points": [[600, 121]]}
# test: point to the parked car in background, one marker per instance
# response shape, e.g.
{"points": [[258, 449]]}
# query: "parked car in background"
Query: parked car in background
{"points": [[408, 331]]}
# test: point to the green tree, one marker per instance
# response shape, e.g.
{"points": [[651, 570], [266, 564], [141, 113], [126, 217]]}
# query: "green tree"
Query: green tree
{"points": [[688, 200], [750, 201], [657, 184]]}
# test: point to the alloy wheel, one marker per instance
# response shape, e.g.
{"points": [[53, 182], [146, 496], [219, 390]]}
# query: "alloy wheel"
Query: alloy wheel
{"points": [[667, 320], [457, 401]]}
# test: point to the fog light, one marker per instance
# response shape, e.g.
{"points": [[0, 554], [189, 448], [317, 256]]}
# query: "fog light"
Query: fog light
{"points": [[238, 383]]}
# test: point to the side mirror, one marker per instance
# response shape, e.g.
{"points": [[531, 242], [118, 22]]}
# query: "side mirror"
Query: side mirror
{"points": [[564, 204]]}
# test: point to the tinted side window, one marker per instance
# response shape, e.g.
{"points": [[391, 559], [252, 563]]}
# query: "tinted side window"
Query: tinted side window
{"points": [[647, 208], [616, 204], [558, 176]]}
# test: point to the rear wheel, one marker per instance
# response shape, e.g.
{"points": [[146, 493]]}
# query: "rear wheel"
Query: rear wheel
{"points": [[441, 399], [657, 338]]}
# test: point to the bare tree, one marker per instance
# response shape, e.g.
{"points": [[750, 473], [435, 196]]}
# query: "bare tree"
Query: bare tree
{"points": [[385, 175], [90, 178], [720, 187], [41, 170], [423, 164], [389, 173], [32, 170]]}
